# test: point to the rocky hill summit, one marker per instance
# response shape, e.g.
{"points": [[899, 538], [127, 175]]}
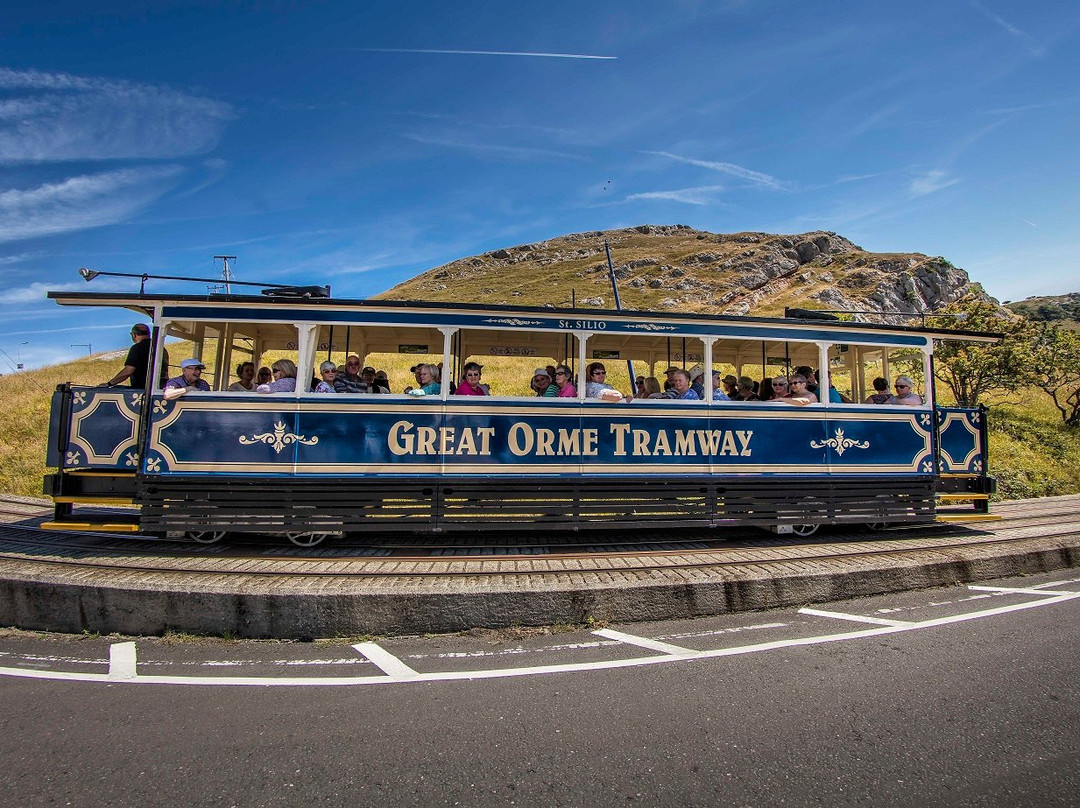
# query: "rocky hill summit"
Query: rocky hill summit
{"points": [[676, 267]]}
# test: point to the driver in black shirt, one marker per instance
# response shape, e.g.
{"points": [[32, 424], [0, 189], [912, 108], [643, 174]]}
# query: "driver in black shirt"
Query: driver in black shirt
{"points": [[137, 363]]}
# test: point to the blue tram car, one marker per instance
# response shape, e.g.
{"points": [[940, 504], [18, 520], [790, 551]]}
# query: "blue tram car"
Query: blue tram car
{"points": [[307, 465]]}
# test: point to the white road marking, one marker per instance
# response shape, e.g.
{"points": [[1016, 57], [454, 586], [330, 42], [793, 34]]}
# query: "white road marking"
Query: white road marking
{"points": [[645, 642], [121, 661], [1009, 590], [858, 618], [387, 662]]}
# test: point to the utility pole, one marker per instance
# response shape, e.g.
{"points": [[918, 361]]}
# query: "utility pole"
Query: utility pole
{"points": [[87, 345], [226, 274]]}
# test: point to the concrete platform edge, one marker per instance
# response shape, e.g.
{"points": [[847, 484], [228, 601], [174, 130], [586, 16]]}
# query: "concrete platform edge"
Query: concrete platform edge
{"points": [[37, 603]]}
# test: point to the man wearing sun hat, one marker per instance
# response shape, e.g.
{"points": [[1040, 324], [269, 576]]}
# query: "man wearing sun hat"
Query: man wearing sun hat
{"points": [[190, 380]]}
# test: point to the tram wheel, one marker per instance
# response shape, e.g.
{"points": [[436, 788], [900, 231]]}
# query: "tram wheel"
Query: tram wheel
{"points": [[306, 538], [804, 530], [877, 527], [206, 536]]}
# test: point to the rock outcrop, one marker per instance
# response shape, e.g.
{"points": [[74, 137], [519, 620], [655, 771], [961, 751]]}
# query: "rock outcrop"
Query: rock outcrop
{"points": [[677, 267]]}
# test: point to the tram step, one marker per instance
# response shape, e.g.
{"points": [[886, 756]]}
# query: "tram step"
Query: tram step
{"points": [[96, 527], [955, 497], [94, 500], [967, 517]]}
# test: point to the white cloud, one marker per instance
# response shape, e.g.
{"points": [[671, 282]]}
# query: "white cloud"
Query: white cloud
{"points": [[80, 202], [755, 177], [51, 117], [488, 53], [1033, 47], [34, 293], [701, 195], [930, 182]]}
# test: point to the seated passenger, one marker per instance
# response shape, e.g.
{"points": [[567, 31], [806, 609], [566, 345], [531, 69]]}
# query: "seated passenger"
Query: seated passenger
{"points": [[697, 381], [881, 392], [284, 373], [427, 376], [718, 393], [372, 381], [348, 379], [807, 372], [189, 381], [328, 371], [651, 388], [746, 390], [265, 376], [596, 387], [731, 387], [780, 388], [246, 383], [799, 395], [382, 380], [905, 393], [472, 386], [563, 381], [542, 385], [640, 382], [680, 387]]}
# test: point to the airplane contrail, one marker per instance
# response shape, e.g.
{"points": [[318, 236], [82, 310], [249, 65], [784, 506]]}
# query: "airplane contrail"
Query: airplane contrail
{"points": [[488, 53]]}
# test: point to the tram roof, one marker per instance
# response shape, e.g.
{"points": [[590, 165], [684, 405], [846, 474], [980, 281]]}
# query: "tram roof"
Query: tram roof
{"points": [[148, 304]]}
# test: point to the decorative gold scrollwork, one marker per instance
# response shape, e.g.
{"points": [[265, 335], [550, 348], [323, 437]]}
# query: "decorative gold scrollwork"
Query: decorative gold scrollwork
{"points": [[840, 444], [278, 439]]}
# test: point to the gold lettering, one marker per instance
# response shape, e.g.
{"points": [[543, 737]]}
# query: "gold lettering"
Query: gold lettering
{"points": [[425, 440], [400, 440], [744, 439], [467, 446], [662, 445], [486, 434], [729, 445], [570, 442], [446, 439], [589, 438], [619, 431], [544, 440], [641, 442], [684, 442], [520, 439], [710, 440]]}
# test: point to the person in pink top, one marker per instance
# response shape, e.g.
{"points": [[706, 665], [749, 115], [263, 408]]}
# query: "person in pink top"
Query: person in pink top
{"points": [[562, 381], [471, 385]]}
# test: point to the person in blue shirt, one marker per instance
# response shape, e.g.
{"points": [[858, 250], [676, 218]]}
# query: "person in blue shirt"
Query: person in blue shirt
{"points": [[680, 387]]}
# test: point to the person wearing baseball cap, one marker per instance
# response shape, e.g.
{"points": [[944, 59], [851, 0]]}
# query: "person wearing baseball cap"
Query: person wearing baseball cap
{"points": [[137, 363], [189, 381]]}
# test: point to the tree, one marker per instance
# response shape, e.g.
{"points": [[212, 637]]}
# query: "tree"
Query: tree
{"points": [[974, 369], [1055, 369]]}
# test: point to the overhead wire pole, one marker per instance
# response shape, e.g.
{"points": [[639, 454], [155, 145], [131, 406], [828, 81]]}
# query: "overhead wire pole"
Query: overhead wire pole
{"points": [[618, 307], [226, 274]]}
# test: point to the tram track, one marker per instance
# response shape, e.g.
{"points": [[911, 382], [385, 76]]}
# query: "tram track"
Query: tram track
{"points": [[621, 562]]}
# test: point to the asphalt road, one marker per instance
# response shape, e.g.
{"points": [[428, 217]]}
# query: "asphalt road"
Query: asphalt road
{"points": [[980, 712]]}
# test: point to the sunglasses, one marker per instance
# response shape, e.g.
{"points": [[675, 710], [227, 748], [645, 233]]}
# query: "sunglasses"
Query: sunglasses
{"points": [[779, 384], [599, 373], [903, 387]]}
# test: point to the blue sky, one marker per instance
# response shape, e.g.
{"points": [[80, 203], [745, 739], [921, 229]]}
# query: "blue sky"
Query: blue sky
{"points": [[359, 144]]}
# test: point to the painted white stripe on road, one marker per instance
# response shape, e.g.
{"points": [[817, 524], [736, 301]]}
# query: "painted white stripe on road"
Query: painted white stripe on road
{"points": [[645, 642], [858, 618], [387, 662], [1045, 599], [121, 661], [1010, 590]]}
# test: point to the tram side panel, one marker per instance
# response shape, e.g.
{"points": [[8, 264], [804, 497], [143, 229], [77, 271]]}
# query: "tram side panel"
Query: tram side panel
{"points": [[93, 437], [230, 463]]}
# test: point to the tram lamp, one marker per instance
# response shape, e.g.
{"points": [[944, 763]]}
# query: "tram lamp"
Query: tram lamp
{"points": [[268, 288]]}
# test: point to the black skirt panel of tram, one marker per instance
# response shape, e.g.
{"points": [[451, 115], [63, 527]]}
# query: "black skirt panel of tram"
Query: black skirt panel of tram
{"points": [[335, 505]]}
